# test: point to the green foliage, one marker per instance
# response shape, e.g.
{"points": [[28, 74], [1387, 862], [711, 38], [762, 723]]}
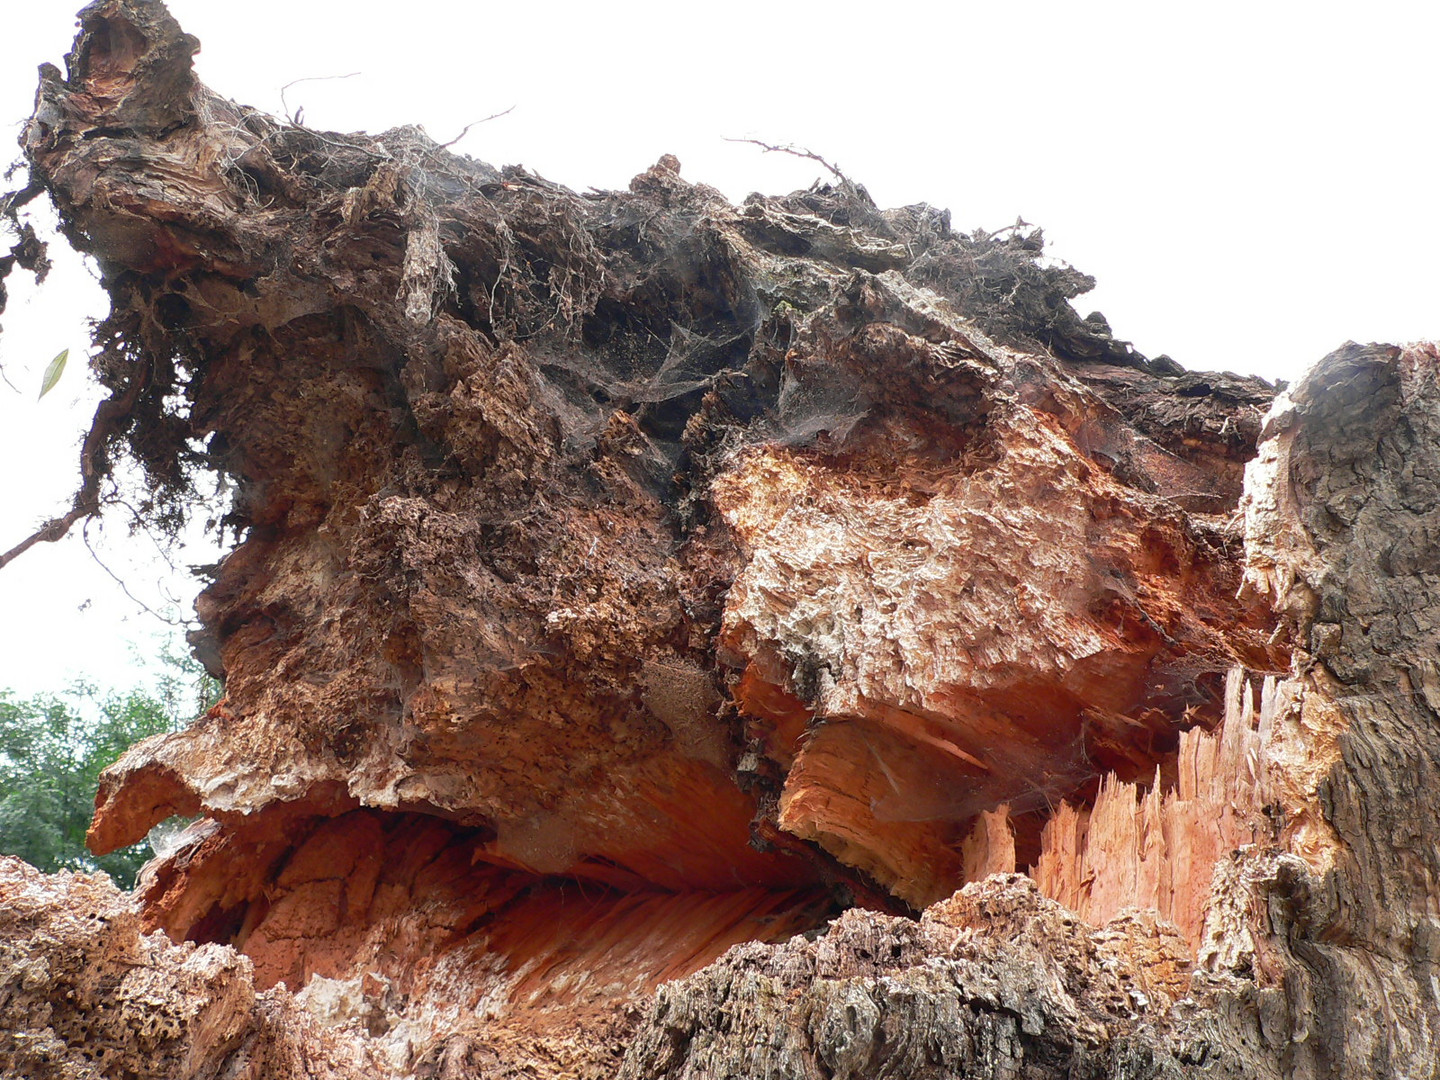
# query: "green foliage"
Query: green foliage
{"points": [[52, 750]]}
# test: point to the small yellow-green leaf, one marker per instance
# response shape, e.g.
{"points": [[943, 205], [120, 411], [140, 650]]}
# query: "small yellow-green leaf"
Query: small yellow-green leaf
{"points": [[53, 373]]}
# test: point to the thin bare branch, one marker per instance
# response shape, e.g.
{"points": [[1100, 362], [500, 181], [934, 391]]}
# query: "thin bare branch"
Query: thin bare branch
{"points": [[1020, 223], [295, 117], [85, 536], [51, 531], [800, 152], [475, 123], [109, 418]]}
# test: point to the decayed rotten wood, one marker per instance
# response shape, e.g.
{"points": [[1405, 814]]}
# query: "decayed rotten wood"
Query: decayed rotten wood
{"points": [[629, 575], [1316, 950], [473, 586]]}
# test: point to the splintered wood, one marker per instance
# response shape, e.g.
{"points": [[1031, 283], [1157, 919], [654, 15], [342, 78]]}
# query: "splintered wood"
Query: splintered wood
{"points": [[1157, 848], [989, 847]]}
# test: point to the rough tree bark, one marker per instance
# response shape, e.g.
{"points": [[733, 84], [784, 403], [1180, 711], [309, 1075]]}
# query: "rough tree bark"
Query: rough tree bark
{"points": [[672, 639]]}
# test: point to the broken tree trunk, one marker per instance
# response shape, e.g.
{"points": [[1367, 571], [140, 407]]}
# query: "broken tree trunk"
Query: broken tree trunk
{"points": [[629, 576]]}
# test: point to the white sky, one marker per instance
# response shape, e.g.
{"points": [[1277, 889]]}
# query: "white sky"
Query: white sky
{"points": [[1252, 183]]}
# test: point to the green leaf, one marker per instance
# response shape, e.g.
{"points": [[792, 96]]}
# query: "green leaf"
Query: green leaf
{"points": [[53, 373]]}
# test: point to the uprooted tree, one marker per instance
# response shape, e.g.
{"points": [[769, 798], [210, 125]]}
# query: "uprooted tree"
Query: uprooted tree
{"points": [[629, 576]]}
